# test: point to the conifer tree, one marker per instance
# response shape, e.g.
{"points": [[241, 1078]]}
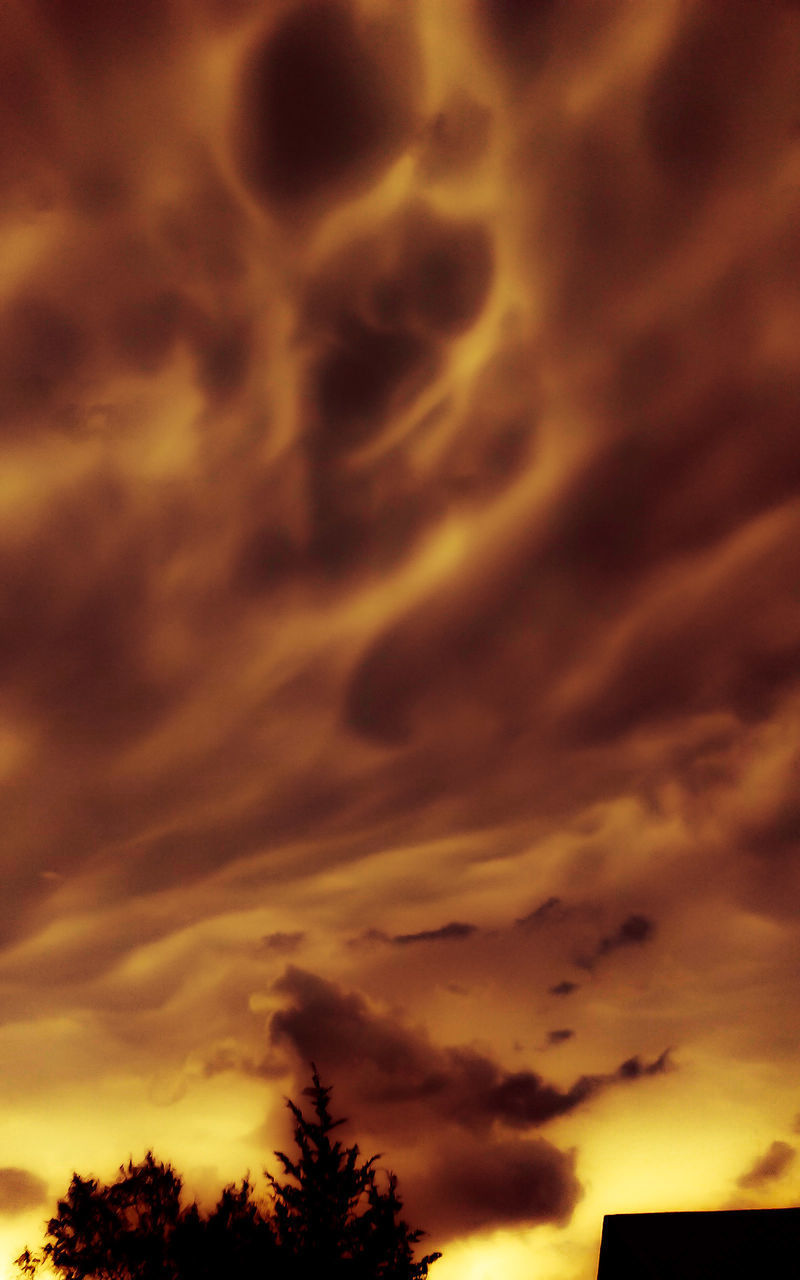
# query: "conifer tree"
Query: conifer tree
{"points": [[333, 1216]]}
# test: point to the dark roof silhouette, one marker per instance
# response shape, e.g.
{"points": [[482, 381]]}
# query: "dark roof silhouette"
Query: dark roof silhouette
{"points": [[732, 1244]]}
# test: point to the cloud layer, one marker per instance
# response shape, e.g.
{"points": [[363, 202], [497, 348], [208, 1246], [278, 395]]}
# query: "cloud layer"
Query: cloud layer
{"points": [[399, 541]]}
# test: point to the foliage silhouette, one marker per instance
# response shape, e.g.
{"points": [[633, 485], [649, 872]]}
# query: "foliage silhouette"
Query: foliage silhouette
{"points": [[330, 1217], [317, 1214]]}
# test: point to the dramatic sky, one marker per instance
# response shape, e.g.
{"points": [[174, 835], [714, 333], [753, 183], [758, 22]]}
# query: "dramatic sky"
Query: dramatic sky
{"points": [[400, 602]]}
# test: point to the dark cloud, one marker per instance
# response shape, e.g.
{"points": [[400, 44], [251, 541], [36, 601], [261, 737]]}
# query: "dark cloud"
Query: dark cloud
{"points": [[358, 377], [320, 107], [481, 1186], [560, 1035], [564, 988], [634, 1068], [452, 932], [445, 271], [385, 1063], [522, 1100], [772, 1164], [20, 1190], [480, 1180], [378, 309], [337, 1030], [634, 931]]}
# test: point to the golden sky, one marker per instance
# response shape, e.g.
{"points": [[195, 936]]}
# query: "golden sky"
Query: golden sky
{"points": [[400, 591]]}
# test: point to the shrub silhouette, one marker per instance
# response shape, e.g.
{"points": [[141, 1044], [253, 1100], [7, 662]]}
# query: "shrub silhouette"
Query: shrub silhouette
{"points": [[331, 1218]]}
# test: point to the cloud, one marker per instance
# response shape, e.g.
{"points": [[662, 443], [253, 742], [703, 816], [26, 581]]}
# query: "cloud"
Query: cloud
{"points": [[387, 1064], [20, 1190], [471, 1111], [474, 1186], [452, 932], [455, 931], [565, 988], [521, 1099], [399, 513], [399, 1082], [771, 1165], [560, 1035], [634, 931], [349, 124]]}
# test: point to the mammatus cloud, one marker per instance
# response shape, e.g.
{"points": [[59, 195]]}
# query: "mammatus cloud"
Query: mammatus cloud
{"points": [[20, 1189], [768, 1167]]}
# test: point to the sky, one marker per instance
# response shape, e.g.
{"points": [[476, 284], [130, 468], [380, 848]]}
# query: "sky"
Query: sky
{"points": [[400, 619]]}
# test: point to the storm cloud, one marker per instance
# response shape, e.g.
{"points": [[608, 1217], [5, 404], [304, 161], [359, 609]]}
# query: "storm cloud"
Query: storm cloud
{"points": [[479, 1186], [399, 548], [386, 1063]]}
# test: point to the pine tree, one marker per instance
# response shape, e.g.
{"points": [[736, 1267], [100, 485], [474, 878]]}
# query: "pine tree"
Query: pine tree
{"points": [[333, 1217]]}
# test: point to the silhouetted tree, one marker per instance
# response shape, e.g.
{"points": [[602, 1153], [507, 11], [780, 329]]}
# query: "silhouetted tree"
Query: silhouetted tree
{"points": [[331, 1219], [125, 1231], [236, 1239]]}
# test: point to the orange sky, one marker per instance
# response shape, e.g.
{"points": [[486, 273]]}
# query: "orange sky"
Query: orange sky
{"points": [[399, 563]]}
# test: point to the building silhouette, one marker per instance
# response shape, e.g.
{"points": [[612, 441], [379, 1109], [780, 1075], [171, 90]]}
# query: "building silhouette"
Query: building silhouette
{"points": [[731, 1244]]}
